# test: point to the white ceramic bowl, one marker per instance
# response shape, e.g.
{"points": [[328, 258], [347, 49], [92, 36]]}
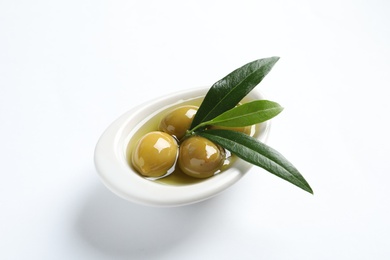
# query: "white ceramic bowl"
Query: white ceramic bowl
{"points": [[116, 173]]}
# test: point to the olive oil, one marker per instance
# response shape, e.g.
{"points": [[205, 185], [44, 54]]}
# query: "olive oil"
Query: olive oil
{"points": [[175, 175]]}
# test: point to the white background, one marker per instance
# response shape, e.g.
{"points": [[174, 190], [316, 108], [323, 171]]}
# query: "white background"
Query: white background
{"points": [[69, 68]]}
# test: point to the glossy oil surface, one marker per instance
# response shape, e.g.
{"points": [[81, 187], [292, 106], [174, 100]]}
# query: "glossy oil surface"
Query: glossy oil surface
{"points": [[175, 176]]}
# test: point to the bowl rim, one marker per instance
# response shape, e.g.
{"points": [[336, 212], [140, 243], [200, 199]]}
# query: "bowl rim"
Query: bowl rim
{"points": [[119, 177]]}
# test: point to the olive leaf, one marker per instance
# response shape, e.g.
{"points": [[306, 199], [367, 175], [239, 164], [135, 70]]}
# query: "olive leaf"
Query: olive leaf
{"points": [[257, 153], [218, 108], [246, 114], [230, 90]]}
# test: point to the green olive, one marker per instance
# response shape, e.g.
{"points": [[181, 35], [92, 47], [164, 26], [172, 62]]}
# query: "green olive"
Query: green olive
{"points": [[178, 121], [155, 154], [245, 129], [200, 158]]}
